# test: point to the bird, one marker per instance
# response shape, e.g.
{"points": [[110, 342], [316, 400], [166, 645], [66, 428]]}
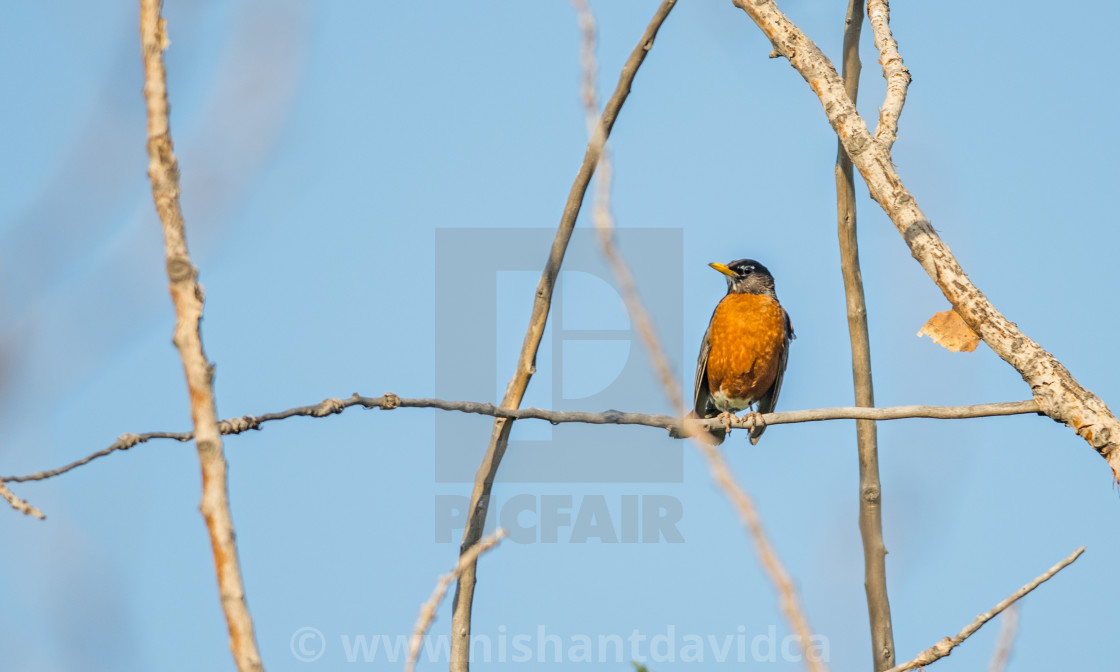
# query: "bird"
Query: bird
{"points": [[744, 351]]}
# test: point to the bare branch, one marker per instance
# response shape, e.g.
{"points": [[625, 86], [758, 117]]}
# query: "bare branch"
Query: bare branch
{"points": [[125, 442], [19, 504], [870, 489], [390, 401], [896, 74], [1058, 394], [428, 609], [515, 390], [946, 646], [187, 296], [1009, 625]]}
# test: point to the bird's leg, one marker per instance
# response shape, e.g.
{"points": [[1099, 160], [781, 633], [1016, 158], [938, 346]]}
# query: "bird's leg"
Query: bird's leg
{"points": [[726, 418], [754, 418]]}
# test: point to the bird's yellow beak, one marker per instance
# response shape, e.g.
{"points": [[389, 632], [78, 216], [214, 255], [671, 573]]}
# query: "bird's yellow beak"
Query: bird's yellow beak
{"points": [[724, 269]]}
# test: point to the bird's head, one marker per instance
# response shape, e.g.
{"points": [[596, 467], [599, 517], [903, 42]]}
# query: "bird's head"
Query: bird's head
{"points": [[747, 276]]}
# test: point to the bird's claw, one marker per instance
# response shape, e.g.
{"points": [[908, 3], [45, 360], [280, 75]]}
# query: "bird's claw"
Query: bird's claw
{"points": [[726, 419]]}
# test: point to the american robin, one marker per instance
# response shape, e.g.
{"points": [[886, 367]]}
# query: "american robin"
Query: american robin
{"points": [[743, 355]]}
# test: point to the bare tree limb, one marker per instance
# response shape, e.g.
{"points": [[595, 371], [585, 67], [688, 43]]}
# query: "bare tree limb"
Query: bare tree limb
{"points": [[946, 646], [125, 442], [870, 489], [1009, 625], [187, 296], [896, 74], [1058, 394], [19, 504], [526, 365], [390, 401], [428, 609]]}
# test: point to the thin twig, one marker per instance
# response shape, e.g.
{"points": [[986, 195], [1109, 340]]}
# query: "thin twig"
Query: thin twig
{"points": [[1009, 626], [1059, 395], [867, 441], [515, 390], [391, 401], [19, 504], [896, 74], [428, 609], [187, 296], [946, 646], [125, 442]]}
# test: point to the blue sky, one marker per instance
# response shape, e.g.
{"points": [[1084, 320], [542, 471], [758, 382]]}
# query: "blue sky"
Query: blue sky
{"points": [[329, 149]]}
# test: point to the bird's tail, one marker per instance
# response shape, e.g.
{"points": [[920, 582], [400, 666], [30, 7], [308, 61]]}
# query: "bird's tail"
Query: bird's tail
{"points": [[713, 436], [756, 434]]}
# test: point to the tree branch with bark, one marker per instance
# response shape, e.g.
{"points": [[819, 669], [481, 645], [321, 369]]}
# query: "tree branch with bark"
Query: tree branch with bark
{"points": [[390, 401], [1058, 394], [526, 364], [187, 296], [18, 504], [946, 646], [867, 439]]}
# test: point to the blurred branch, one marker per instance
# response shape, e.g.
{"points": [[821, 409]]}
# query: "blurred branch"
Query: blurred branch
{"points": [[526, 365], [428, 609], [744, 506], [946, 646], [1009, 625], [721, 473], [187, 296], [867, 441], [390, 401], [604, 220], [19, 504], [1058, 394]]}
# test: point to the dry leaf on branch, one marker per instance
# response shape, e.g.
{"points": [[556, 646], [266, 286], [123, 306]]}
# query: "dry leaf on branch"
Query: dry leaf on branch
{"points": [[948, 330]]}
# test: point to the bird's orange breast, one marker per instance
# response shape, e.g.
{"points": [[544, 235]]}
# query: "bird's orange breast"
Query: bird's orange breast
{"points": [[748, 332]]}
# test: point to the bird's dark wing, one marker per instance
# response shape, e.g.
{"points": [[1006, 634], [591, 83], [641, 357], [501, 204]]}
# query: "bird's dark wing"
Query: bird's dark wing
{"points": [[769, 398], [701, 397]]}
